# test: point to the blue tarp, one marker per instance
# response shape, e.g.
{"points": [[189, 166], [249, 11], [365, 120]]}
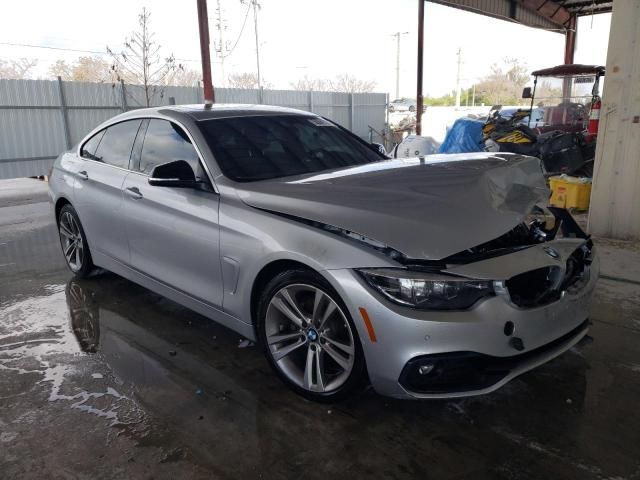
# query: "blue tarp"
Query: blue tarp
{"points": [[465, 135]]}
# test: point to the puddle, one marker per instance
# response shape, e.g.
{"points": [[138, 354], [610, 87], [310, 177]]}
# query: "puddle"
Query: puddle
{"points": [[37, 338]]}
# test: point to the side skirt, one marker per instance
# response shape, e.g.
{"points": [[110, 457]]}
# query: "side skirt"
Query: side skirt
{"points": [[209, 311]]}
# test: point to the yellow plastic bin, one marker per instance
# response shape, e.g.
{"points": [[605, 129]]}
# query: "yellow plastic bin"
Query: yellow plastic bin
{"points": [[570, 192]]}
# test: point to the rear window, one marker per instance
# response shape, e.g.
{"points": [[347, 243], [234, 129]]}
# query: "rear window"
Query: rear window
{"points": [[263, 147]]}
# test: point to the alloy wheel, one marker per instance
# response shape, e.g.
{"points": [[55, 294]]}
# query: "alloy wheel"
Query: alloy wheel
{"points": [[71, 240], [309, 338]]}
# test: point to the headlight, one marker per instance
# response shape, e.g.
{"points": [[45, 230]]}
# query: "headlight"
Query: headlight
{"points": [[427, 291]]}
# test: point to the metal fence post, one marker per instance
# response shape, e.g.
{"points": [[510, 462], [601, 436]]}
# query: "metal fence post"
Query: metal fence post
{"points": [[65, 116], [351, 112], [124, 105], [311, 100]]}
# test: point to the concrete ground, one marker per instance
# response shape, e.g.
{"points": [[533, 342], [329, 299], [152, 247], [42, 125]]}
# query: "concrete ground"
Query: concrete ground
{"points": [[104, 379]]}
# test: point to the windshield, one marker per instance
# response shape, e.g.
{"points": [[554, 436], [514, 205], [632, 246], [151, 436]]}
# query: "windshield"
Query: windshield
{"points": [[577, 90], [566, 101], [262, 147]]}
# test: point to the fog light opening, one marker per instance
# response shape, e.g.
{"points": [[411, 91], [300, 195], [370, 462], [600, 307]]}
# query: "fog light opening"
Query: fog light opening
{"points": [[425, 369], [509, 328]]}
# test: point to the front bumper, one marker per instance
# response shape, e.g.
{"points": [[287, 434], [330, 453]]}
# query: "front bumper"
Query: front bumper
{"points": [[406, 337]]}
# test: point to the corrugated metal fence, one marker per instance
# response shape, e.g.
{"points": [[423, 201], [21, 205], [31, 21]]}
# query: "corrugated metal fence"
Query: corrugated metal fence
{"points": [[41, 118]]}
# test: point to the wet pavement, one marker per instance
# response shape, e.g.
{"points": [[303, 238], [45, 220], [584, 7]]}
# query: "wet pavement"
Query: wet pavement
{"points": [[104, 379]]}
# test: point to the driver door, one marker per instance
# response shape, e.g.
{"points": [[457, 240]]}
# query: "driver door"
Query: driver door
{"points": [[173, 233]]}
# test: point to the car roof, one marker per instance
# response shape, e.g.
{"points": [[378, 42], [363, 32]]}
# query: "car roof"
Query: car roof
{"points": [[218, 110]]}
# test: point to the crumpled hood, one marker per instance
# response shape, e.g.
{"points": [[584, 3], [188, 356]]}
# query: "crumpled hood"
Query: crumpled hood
{"points": [[426, 207]]}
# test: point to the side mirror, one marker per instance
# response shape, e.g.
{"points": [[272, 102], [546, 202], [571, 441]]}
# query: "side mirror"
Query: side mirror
{"points": [[379, 147], [526, 92], [177, 174]]}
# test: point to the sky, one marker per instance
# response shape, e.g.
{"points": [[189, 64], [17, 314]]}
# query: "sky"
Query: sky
{"points": [[301, 37]]}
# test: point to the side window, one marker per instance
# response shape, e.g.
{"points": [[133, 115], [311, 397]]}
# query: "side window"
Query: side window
{"points": [[89, 148], [117, 142], [166, 142]]}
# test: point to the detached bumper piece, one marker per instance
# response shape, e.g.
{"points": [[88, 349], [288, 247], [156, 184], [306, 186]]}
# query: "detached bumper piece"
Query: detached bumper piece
{"points": [[469, 371]]}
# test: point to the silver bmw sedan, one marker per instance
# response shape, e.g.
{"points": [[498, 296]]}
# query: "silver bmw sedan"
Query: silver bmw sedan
{"points": [[437, 276]]}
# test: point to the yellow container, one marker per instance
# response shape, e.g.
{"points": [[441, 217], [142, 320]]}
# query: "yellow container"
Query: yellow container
{"points": [[569, 192]]}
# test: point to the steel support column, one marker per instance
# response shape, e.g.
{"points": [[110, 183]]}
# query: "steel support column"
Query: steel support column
{"points": [[419, 97], [570, 40], [203, 25]]}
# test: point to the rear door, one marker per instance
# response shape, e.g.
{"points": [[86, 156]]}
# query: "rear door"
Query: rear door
{"points": [[98, 189], [173, 233]]}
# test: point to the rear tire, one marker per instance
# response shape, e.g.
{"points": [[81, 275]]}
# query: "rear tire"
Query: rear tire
{"points": [[73, 241], [308, 336]]}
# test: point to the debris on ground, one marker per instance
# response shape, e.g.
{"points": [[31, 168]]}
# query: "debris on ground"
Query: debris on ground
{"points": [[245, 343]]}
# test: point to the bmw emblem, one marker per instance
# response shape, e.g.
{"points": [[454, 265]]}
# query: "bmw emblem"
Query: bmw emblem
{"points": [[312, 335], [551, 252]]}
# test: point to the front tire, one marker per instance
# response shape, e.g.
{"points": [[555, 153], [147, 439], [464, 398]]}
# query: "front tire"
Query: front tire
{"points": [[308, 336], [73, 241]]}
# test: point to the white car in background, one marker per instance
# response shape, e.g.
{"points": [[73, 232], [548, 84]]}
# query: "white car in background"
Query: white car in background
{"points": [[402, 105]]}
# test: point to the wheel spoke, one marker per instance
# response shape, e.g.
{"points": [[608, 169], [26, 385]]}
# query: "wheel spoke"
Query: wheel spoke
{"points": [[292, 303], [313, 368], [284, 351], [339, 359], [64, 230], [69, 250], [348, 349], [274, 339], [78, 260], [280, 305], [73, 225], [327, 313], [316, 306]]}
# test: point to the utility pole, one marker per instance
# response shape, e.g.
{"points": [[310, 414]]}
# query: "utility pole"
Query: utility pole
{"points": [[221, 49], [397, 35], [473, 102], [203, 26], [255, 25], [458, 78]]}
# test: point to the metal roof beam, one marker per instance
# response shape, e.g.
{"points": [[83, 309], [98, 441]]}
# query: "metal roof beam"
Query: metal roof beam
{"points": [[549, 9]]}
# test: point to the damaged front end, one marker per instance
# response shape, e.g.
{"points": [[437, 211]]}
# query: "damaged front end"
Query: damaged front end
{"points": [[536, 262], [490, 313], [533, 265]]}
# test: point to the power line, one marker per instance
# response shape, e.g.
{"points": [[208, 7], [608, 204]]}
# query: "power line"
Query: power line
{"points": [[64, 49], [244, 22], [10, 44]]}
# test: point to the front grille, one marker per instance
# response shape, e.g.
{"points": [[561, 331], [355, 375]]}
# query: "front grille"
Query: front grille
{"points": [[534, 288], [543, 286]]}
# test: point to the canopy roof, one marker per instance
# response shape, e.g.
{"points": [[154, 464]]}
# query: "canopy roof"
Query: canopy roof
{"points": [[552, 15], [571, 69]]}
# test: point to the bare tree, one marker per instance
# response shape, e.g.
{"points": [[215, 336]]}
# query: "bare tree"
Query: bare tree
{"points": [[308, 83], [246, 80], [141, 61], [349, 83], [185, 77], [84, 69], [17, 69], [341, 83]]}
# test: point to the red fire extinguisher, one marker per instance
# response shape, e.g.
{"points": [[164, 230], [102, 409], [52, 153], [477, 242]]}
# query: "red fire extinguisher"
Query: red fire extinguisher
{"points": [[594, 118]]}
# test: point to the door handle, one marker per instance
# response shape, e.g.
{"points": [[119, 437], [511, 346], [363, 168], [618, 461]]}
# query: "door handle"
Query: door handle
{"points": [[83, 175], [134, 193]]}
